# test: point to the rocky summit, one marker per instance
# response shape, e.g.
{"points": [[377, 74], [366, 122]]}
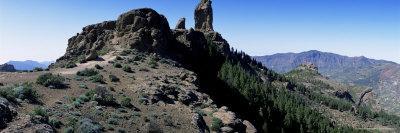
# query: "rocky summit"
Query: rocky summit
{"points": [[203, 16]]}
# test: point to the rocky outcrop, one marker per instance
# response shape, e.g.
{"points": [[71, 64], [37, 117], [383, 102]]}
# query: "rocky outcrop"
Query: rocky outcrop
{"points": [[199, 122], [203, 16], [7, 68], [344, 95], [7, 112], [231, 122], [181, 24], [24, 124]]}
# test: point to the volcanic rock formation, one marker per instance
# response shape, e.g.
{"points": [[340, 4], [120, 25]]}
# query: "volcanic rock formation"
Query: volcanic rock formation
{"points": [[203, 16]]}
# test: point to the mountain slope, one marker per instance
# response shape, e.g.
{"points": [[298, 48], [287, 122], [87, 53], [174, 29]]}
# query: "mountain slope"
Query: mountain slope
{"points": [[29, 64], [381, 76]]}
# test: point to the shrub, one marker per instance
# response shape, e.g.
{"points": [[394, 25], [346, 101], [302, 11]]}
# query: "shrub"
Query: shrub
{"points": [[125, 52], [117, 65], [84, 98], [127, 68], [83, 86], [39, 111], [37, 69], [70, 65], [103, 96], [113, 78], [8, 93], [153, 63], [126, 102], [69, 130], [97, 66], [112, 121], [25, 91], [87, 72], [50, 80], [97, 78], [55, 123], [216, 124], [88, 126]]}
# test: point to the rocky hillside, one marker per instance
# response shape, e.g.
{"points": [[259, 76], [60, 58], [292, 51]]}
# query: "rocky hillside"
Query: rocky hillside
{"points": [[7, 68], [383, 77], [135, 74]]}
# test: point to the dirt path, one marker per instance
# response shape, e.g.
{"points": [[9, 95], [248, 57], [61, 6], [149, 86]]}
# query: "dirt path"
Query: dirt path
{"points": [[89, 64]]}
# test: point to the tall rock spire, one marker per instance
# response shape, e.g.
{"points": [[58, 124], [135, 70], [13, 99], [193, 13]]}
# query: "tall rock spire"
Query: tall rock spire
{"points": [[203, 16]]}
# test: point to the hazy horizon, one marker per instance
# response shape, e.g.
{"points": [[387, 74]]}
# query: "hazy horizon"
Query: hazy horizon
{"points": [[39, 31]]}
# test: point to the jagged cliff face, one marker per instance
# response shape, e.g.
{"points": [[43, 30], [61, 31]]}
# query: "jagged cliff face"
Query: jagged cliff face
{"points": [[145, 30]]}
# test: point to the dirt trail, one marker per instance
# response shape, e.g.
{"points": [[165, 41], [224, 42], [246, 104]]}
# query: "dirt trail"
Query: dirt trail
{"points": [[89, 64]]}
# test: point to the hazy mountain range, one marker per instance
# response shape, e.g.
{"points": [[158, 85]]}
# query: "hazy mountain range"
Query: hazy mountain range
{"points": [[29, 64], [380, 75]]}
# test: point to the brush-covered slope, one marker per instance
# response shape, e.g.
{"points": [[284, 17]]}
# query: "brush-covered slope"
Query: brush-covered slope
{"points": [[381, 76]]}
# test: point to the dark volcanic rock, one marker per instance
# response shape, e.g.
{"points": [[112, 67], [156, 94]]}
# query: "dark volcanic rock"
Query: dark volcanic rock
{"points": [[7, 112], [7, 68], [181, 24], [203, 16], [344, 95]]}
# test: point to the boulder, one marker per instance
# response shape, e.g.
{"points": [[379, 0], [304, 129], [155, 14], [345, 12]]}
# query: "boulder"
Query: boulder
{"points": [[42, 128], [227, 117], [187, 97], [91, 56], [7, 112], [199, 122], [249, 127], [180, 24], [226, 129], [203, 16]]}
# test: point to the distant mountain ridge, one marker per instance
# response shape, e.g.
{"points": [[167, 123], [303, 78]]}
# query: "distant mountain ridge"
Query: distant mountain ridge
{"points": [[380, 75], [29, 64]]}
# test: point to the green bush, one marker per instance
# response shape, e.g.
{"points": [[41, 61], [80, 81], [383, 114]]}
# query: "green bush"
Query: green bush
{"points": [[127, 68], [126, 102], [125, 52], [97, 78], [70, 65], [39, 111], [55, 123], [8, 93], [88, 126], [50, 80], [103, 96], [87, 72], [68, 130], [117, 65], [216, 124], [153, 63], [113, 78], [84, 98], [25, 91]]}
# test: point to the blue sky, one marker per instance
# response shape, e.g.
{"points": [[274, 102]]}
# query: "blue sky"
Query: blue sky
{"points": [[39, 29]]}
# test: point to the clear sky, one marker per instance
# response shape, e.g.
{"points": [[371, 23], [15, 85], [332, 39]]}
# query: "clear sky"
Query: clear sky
{"points": [[39, 29]]}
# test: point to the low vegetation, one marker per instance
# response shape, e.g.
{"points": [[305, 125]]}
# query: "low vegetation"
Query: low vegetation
{"points": [[22, 91], [50, 80], [127, 68]]}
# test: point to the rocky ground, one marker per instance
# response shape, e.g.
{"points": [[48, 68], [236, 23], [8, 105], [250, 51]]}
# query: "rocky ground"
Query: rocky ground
{"points": [[164, 97]]}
